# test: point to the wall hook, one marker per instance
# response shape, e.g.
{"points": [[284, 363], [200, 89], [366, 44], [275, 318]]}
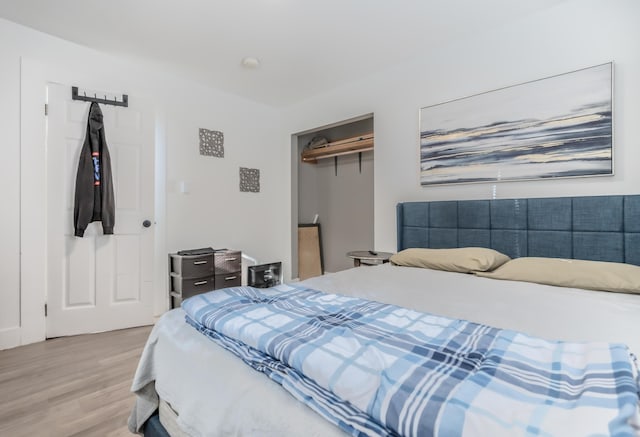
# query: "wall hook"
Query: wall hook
{"points": [[95, 98]]}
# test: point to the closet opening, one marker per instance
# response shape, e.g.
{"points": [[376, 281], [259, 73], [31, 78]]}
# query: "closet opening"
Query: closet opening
{"points": [[333, 186]]}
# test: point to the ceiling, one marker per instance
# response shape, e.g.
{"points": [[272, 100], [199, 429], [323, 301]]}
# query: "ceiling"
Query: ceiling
{"points": [[305, 47]]}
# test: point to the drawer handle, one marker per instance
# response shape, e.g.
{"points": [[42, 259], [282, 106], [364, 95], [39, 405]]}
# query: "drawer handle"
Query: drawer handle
{"points": [[230, 259], [200, 283], [230, 278], [197, 263]]}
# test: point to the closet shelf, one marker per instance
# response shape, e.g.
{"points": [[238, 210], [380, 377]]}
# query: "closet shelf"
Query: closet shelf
{"points": [[348, 146]]}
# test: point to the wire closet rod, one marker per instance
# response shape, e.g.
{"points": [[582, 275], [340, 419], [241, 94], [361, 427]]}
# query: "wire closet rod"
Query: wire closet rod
{"points": [[115, 102]]}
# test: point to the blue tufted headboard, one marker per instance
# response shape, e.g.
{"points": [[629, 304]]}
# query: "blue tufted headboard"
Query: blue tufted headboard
{"points": [[603, 228]]}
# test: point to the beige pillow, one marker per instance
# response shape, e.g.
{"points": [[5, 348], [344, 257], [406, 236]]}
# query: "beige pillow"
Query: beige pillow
{"points": [[574, 273], [463, 260]]}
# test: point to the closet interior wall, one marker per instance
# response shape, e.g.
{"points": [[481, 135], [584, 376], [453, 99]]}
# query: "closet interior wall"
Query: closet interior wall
{"points": [[341, 195]]}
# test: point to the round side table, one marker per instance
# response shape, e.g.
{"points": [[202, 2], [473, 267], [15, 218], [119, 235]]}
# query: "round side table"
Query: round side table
{"points": [[365, 257]]}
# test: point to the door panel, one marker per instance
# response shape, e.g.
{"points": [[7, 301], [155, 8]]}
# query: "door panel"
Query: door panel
{"points": [[99, 282], [128, 191], [79, 284], [128, 286]]}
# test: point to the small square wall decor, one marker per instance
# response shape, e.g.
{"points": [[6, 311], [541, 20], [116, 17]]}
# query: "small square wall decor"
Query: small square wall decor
{"points": [[211, 143], [249, 180]]}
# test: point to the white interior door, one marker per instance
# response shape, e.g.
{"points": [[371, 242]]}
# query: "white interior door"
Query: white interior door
{"points": [[99, 282]]}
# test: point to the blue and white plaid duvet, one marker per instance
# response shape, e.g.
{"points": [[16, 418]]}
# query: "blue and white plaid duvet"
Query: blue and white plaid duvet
{"points": [[378, 369]]}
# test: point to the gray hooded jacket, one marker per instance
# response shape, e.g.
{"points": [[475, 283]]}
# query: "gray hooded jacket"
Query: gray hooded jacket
{"points": [[94, 187]]}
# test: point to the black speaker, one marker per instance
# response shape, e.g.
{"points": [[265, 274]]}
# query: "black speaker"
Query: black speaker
{"points": [[264, 275]]}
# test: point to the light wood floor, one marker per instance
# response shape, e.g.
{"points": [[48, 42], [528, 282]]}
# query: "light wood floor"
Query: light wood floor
{"points": [[70, 386]]}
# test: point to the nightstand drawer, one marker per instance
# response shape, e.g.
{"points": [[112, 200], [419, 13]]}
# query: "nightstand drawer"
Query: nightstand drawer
{"points": [[228, 262], [194, 266], [191, 286], [196, 271], [228, 280]]}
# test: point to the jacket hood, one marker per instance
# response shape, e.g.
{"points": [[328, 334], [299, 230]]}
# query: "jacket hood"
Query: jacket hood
{"points": [[95, 117]]}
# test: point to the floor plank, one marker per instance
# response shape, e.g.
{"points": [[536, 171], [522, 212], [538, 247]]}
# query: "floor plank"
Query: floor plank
{"points": [[71, 385]]}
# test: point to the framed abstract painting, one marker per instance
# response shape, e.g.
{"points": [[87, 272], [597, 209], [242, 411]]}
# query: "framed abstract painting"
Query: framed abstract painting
{"points": [[556, 127]]}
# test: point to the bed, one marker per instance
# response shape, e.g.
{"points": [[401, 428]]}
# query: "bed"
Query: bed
{"points": [[201, 388]]}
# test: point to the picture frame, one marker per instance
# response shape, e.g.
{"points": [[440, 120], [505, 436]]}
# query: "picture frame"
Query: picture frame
{"points": [[557, 127], [310, 256]]}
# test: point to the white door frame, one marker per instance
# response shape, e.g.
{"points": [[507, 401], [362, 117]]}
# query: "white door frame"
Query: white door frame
{"points": [[33, 211]]}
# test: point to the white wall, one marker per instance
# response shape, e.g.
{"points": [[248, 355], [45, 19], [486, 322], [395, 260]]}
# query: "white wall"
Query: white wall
{"points": [[214, 212], [9, 181], [573, 35]]}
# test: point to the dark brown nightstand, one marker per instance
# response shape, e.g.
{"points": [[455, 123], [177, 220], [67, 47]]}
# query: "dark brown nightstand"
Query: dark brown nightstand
{"points": [[194, 274]]}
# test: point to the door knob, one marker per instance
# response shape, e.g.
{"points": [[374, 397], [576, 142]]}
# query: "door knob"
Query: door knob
{"points": [[146, 223]]}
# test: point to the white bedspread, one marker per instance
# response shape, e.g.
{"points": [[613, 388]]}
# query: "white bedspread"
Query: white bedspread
{"points": [[550, 312], [185, 364]]}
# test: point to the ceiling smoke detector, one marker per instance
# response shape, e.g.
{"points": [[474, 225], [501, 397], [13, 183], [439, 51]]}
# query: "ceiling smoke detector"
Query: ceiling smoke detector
{"points": [[250, 62]]}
